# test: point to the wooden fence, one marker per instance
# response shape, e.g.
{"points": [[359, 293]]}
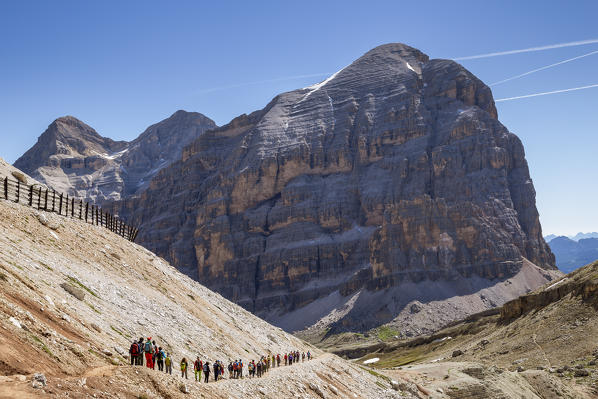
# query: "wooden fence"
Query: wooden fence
{"points": [[49, 200]]}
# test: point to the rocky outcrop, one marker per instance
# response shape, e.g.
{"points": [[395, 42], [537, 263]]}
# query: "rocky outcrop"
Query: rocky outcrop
{"points": [[73, 158], [394, 169], [582, 284]]}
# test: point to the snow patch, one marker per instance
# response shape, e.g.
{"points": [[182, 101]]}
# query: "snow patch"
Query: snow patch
{"points": [[115, 155], [318, 86], [410, 67], [557, 283], [372, 360]]}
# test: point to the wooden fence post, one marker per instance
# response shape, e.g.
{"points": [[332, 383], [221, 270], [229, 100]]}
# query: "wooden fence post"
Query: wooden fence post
{"points": [[72, 207], [86, 209], [80, 209], [31, 195], [39, 197], [53, 200], [60, 205], [18, 190], [46, 203], [6, 188], [66, 211]]}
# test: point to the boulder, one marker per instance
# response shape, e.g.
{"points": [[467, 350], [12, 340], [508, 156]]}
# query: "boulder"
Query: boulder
{"points": [[38, 381], [20, 176], [457, 352], [74, 291]]}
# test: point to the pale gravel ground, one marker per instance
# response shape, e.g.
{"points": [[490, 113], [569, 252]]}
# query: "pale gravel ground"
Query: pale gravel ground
{"points": [[136, 294]]}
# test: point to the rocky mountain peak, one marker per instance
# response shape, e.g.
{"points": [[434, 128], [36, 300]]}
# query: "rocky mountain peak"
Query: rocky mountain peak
{"points": [[390, 181], [72, 157]]}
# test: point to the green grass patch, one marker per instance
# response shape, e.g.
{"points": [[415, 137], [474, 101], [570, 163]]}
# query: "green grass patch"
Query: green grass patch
{"points": [[120, 332], [44, 347], [376, 374], [95, 353], [385, 333], [46, 266], [80, 284], [15, 265], [93, 308], [77, 353], [400, 357]]}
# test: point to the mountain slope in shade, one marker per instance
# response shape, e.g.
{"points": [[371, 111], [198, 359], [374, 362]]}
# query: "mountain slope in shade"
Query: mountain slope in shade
{"points": [[571, 254], [73, 158], [392, 172]]}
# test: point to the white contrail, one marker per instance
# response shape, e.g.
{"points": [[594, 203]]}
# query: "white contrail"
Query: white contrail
{"points": [[212, 89], [546, 93], [530, 49], [543, 68]]}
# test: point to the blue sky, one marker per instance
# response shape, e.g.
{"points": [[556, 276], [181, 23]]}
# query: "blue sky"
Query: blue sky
{"points": [[121, 66]]}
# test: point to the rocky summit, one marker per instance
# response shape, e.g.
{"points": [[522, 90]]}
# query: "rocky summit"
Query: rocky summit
{"points": [[380, 193], [73, 158]]}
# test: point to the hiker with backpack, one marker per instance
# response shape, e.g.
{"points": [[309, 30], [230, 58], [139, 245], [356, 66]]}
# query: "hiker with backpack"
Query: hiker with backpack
{"points": [[154, 355], [216, 370], [197, 366], [134, 353], [168, 364], [139, 360], [206, 371], [184, 368], [149, 353], [160, 356]]}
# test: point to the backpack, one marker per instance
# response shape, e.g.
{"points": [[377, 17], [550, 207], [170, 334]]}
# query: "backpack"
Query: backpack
{"points": [[148, 347], [134, 349], [206, 368]]}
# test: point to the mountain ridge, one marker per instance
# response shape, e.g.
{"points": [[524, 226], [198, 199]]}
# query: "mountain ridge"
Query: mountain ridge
{"points": [[393, 170], [71, 157]]}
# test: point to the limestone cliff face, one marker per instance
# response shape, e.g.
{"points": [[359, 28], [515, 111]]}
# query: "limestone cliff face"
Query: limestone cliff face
{"points": [[393, 169], [73, 158]]}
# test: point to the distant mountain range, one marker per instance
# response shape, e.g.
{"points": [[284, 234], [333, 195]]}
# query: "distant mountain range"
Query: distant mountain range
{"points": [[572, 253], [576, 237]]}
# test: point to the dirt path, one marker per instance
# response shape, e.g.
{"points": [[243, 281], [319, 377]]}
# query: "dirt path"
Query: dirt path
{"points": [[534, 336]]}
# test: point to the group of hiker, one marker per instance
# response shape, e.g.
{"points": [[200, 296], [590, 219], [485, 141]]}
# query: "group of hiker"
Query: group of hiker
{"points": [[154, 354]]}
